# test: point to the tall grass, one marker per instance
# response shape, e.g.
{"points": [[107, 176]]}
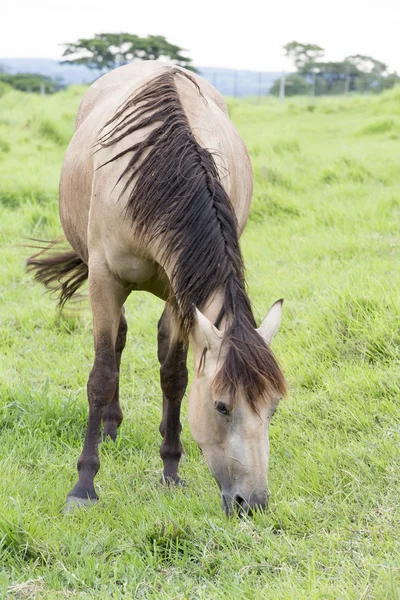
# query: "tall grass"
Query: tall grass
{"points": [[324, 233]]}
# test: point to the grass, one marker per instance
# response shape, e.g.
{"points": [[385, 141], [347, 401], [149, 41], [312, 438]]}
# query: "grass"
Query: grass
{"points": [[324, 233]]}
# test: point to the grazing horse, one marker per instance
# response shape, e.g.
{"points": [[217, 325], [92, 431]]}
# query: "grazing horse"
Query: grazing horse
{"points": [[155, 191]]}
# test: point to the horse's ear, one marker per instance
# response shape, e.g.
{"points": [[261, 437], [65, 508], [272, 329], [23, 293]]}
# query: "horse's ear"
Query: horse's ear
{"points": [[205, 334], [270, 325]]}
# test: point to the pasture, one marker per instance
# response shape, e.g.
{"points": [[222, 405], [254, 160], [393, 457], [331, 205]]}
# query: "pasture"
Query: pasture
{"points": [[324, 233]]}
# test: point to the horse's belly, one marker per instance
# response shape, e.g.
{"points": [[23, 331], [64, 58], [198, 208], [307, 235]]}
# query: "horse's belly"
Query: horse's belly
{"points": [[138, 273], [130, 269]]}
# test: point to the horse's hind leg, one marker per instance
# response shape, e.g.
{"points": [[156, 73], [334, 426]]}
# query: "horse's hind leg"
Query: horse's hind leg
{"points": [[172, 355], [107, 298], [112, 415]]}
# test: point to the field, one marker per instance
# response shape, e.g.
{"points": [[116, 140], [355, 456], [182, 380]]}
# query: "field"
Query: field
{"points": [[324, 233]]}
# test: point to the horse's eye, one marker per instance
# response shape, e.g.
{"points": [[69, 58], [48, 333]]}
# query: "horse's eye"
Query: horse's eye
{"points": [[222, 408]]}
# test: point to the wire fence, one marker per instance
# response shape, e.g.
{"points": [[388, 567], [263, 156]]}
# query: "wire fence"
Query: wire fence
{"points": [[239, 84], [230, 82]]}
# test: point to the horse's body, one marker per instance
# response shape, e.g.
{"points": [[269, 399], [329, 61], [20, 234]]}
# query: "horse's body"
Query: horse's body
{"points": [[84, 190], [155, 190]]}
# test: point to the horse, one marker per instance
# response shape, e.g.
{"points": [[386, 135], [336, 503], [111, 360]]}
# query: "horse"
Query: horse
{"points": [[154, 194]]}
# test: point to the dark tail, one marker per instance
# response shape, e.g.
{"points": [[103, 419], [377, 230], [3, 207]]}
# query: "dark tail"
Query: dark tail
{"points": [[62, 273]]}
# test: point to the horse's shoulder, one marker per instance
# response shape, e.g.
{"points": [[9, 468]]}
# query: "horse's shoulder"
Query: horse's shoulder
{"points": [[112, 88]]}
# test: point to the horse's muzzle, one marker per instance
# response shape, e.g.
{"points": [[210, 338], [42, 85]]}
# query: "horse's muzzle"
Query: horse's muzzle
{"points": [[240, 505]]}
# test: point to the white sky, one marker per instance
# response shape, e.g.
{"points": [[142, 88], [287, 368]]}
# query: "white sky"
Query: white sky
{"points": [[241, 34]]}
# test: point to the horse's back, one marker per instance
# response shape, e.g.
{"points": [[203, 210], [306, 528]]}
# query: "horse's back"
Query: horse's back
{"points": [[90, 202], [113, 87]]}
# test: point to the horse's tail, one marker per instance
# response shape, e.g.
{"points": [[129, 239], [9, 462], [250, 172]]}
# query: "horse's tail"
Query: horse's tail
{"points": [[62, 273]]}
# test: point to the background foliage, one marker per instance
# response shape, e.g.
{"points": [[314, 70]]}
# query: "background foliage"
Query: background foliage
{"points": [[29, 82], [355, 73], [108, 50]]}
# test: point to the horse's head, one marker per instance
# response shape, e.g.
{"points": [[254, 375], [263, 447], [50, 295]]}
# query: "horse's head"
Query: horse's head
{"points": [[232, 433]]}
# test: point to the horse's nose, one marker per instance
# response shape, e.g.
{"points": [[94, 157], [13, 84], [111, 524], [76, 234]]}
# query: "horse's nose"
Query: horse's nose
{"points": [[254, 502], [240, 504]]}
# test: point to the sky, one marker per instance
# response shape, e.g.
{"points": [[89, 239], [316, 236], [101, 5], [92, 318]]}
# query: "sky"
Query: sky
{"points": [[239, 34]]}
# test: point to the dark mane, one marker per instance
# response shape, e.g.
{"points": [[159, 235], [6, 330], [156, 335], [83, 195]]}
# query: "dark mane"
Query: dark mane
{"points": [[176, 196]]}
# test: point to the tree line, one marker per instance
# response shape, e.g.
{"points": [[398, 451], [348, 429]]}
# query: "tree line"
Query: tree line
{"points": [[109, 50], [105, 51], [29, 82], [356, 73]]}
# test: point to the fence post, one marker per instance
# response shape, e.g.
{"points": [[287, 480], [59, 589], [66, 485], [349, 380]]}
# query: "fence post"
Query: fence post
{"points": [[235, 81], [313, 85], [282, 87], [259, 87], [42, 89], [347, 84], [214, 79]]}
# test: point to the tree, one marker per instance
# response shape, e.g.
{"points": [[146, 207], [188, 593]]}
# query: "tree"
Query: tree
{"points": [[303, 53], [31, 82], [156, 46], [389, 81], [295, 85], [108, 50], [354, 73], [331, 77], [367, 64], [373, 74]]}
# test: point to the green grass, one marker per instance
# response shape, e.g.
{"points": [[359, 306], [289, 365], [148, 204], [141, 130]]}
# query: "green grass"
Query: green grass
{"points": [[324, 233]]}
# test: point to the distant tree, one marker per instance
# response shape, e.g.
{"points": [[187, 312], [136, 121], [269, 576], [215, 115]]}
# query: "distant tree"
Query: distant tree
{"points": [[108, 50], [354, 73], [331, 77], [373, 75], [156, 46], [296, 85], [301, 54], [389, 81], [31, 82], [340, 68], [367, 64]]}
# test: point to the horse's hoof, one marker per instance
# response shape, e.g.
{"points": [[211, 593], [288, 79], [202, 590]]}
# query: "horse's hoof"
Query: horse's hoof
{"points": [[173, 481], [73, 502]]}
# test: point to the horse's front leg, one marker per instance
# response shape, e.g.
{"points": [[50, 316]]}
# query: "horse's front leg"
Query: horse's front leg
{"points": [[172, 355], [106, 297], [112, 415]]}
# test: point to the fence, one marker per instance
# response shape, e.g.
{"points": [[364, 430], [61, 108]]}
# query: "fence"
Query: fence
{"points": [[230, 82], [240, 83], [334, 84]]}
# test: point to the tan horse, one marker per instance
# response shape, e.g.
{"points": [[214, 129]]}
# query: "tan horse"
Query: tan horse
{"points": [[155, 190]]}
